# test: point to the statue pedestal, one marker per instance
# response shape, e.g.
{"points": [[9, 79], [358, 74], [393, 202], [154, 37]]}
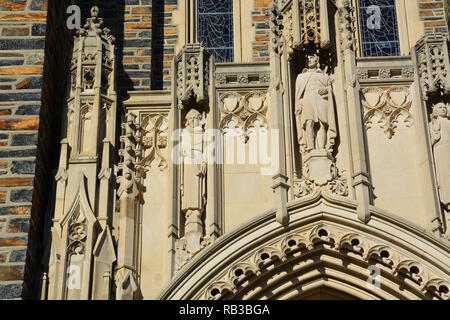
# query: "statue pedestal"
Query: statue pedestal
{"points": [[193, 231], [319, 167]]}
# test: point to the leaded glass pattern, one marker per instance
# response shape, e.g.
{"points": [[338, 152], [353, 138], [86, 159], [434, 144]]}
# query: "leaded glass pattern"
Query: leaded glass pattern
{"points": [[215, 27], [379, 36]]}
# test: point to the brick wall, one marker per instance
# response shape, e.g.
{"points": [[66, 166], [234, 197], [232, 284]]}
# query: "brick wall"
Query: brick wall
{"points": [[32, 95], [130, 21], [135, 40], [22, 43], [261, 18], [165, 38], [434, 15]]}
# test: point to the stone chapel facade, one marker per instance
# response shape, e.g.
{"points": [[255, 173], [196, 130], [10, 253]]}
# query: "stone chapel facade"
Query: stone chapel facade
{"points": [[233, 149]]}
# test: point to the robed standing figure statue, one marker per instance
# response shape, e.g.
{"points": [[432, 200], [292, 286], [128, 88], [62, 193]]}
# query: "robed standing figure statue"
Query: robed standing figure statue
{"points": [[440, 140], [193, 179], [314, 109]]}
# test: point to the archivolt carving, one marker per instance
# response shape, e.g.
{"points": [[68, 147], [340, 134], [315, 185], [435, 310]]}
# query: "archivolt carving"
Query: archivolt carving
{"points": [[349, 244], [154, 140], [243, 111], [390, 105]]}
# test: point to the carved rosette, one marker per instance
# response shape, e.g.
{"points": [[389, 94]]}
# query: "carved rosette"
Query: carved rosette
{"points": [[434, 65], [390, 105], [193, 67]]}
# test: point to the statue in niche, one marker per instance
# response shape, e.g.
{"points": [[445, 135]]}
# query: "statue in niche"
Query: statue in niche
{"points": [[193, 179], [440, 140], [314, 109]]}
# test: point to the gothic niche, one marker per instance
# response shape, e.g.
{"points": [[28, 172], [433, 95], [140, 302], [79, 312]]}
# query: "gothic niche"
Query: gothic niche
{"points": [[440, 140], [316, 129], [193, 174], [85, 129]]}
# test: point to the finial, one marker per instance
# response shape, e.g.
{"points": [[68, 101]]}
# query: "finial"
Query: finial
{"points": [[94, 12]]}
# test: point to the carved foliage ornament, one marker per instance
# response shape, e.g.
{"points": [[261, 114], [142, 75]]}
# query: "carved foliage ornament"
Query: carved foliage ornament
{"points": [[336, 185], [346, 242], [130, 155], [242, 79], [94, 23], [277, 24], [154, 140], [389, 105], [243, 110], [347, 27]]}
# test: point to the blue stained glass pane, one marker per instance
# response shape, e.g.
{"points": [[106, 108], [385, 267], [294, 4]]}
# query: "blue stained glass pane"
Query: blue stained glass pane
{"points": [[379, 28], [215, 27]]}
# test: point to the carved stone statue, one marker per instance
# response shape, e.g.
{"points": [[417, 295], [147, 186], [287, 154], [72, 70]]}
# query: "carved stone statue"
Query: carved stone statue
{"points": [[193, 179], [440, 139], [314, 109]]}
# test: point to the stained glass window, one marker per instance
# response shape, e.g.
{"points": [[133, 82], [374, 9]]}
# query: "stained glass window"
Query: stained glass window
{"points": [[215, 27], [379, 28]]}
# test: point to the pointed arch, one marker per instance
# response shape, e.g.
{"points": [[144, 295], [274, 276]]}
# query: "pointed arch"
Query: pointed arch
{"points": [[325, 248]]}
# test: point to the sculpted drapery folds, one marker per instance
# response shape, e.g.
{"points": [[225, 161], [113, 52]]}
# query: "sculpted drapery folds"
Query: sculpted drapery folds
{"points": [[193, 175], [314, 109], [440, 139]]}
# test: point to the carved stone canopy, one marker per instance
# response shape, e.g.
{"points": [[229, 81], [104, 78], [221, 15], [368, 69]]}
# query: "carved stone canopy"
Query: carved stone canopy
{"points": [[434, 64], [193, 67], [297, 24]]}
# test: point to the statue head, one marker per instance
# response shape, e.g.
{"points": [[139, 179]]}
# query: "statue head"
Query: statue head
{"points": [[193, 119], [313, 62], [440, 110]]}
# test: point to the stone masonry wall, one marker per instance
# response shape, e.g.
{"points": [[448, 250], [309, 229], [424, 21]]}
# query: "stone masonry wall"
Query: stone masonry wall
{"points": [[136, 38], [165, 38], [261, 17], [130, 21], [22, 42], [434, 15]]}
